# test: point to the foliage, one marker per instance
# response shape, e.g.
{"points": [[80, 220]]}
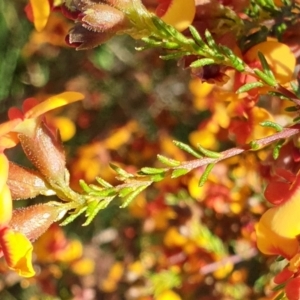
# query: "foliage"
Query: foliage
{"points": [[130, 177]]}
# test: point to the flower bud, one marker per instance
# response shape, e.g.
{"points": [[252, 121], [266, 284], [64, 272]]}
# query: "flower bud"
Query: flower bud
{"points": [[97, 22], [25, 183], [101, 18], [82, 38], [46, 153], [34, 220]]}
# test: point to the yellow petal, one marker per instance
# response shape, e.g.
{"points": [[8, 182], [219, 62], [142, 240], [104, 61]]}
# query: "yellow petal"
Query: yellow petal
{"points": [[279, 227], [3, 170], [271, 243], [180, 14], [17, 251], [67, 128], [53, 102], [41, 11], [5, 206]]}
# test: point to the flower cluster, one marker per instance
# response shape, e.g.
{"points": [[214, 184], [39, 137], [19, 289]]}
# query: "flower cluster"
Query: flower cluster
{"points": [[21, 226], [207, 158]]}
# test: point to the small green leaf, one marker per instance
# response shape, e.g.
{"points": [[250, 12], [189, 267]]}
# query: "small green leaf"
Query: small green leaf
{"points": [[277, 148], [131, 196], [208, 153], [152, 171], [170, 45], [295, 87], [187, 149], [158, 177], [271, 124], [94, 208], [120, 171], [237, 62], [202, 62], [205, 174], [179, 172], [291, 108], [254, 145], [213, 46], [279, 95], [151, 42], [73, 216], [168, 30], [264, 77], [279, 287], [168, 161], [266, 66], [84, 186], [249, 86], [125, 191], [197, 37], [103, 182], [107, 192], [175, 55]]}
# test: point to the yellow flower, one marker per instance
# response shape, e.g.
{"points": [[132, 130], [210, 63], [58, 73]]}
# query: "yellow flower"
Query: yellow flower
{"points": [[17, 251], [278, 55], [14, 245], [178, 13], [279, 227]]}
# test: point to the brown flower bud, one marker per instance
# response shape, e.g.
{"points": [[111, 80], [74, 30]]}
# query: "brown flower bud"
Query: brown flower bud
{"points": [[25, 183], [82, 38], [98, 22], [46, 153], [101, 17], [34, 220]]}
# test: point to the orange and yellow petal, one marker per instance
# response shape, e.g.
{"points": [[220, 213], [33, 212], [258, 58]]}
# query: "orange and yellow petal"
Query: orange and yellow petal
{"points": [[271, 243], [5, 206], [279, 227], [66, 127], [3, 170], [53, 102], [179, 13], [41, 11], [17, 251]]}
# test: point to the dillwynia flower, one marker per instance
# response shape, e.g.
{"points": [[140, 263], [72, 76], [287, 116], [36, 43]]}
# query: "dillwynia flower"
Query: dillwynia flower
{"points": [[97, 21], [279, 227], [21, 226]]}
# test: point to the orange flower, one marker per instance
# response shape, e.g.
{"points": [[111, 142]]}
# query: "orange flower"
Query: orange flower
{"points": [[14, 246], [15, 226], [274, 53], [178, 13], [279, 226]]}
